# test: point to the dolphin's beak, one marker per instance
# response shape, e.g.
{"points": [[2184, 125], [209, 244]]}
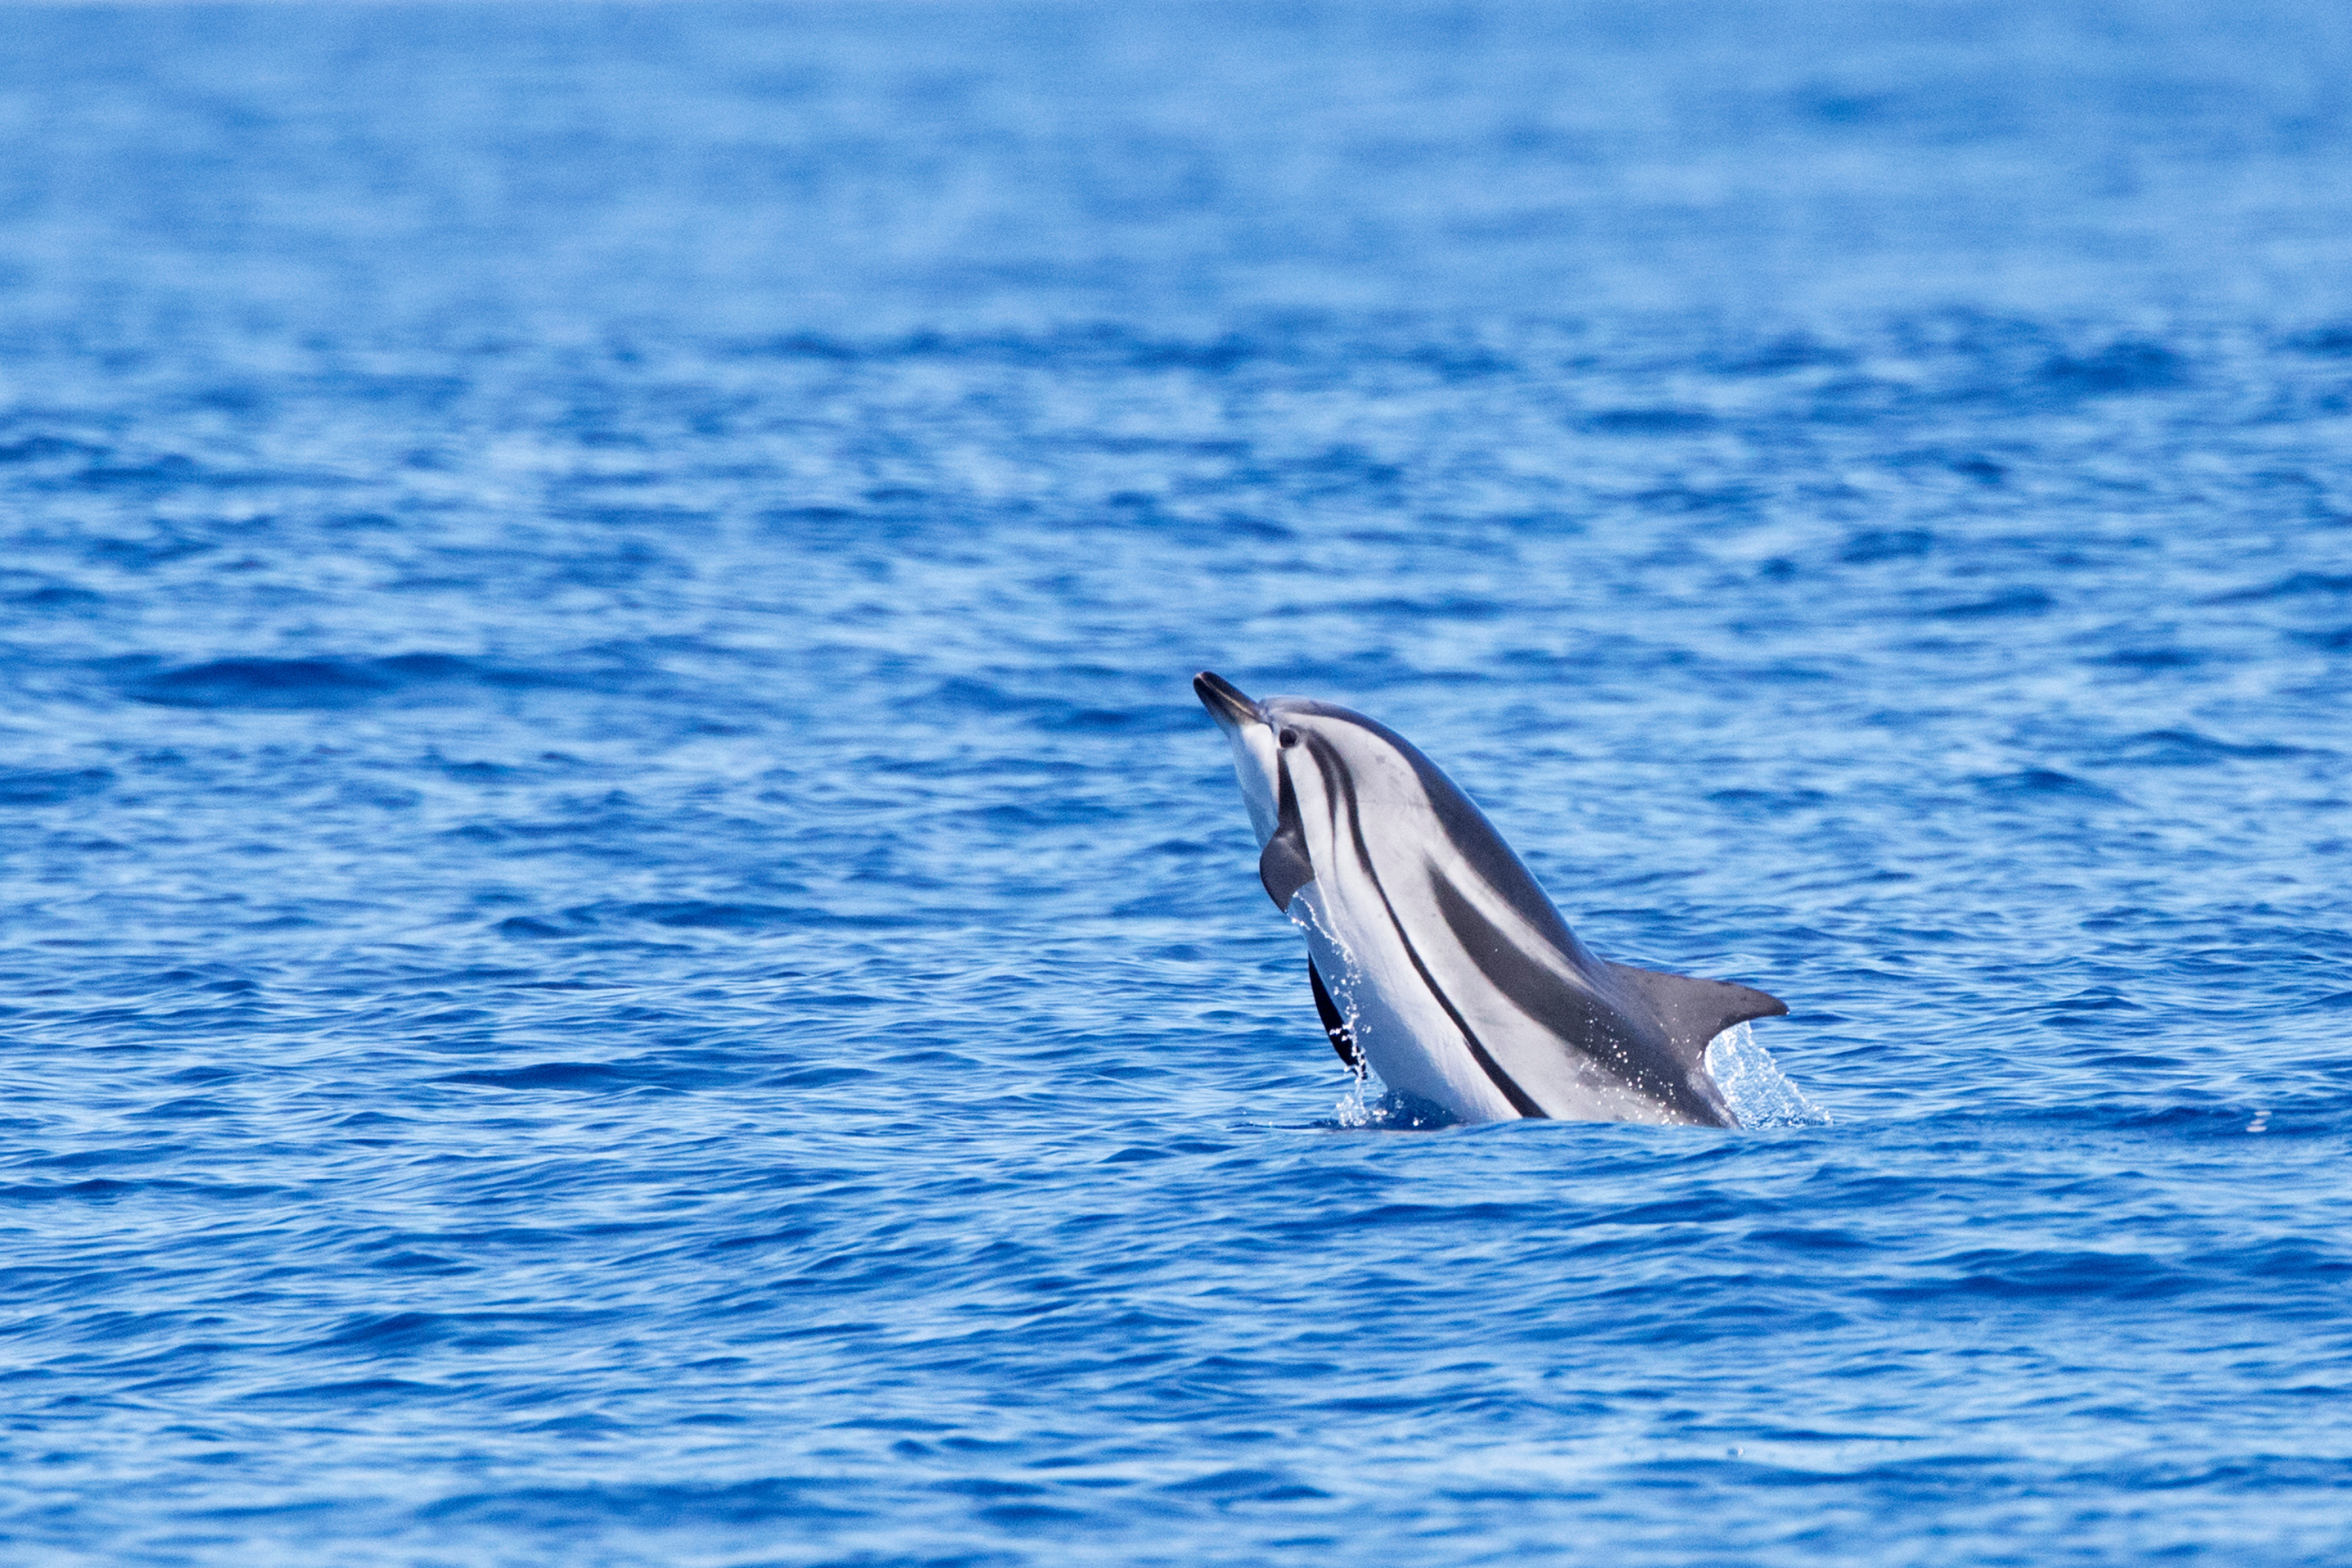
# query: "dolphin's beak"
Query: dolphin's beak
{"points": [[1226, 702], [1252, 738]]}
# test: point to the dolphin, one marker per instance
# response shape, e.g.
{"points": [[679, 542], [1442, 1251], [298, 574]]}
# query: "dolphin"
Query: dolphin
{"points": [[1435, 959]]}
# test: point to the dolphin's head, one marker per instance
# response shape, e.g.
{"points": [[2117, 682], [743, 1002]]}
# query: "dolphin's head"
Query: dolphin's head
{"points": [[1252, 734]]}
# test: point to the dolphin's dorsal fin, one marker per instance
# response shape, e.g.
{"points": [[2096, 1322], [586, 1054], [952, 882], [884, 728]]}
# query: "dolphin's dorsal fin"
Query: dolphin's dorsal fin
{"points": [[1695, 1010]]}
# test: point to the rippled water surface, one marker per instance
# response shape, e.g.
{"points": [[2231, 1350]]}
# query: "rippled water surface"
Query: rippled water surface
{"points": [[625, 942]]}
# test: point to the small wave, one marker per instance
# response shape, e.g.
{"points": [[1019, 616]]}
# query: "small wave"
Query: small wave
{"points": [[972, 697], [2123, 366], [1252, 1484], [2187, 748], [1650, 422], [1794, 352], [2295, 585], [2330, 342], [36, 449], [2033, 781], [172, 469], [2015, 602], [320, 683], [701, 914], [559, 1075], [743, 1502], [1876, 545], [1106, 344], [37, 786], [2166, 657], [688, 914], [57, 597]]}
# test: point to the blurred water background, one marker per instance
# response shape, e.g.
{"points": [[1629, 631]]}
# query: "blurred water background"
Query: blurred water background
{"points": [[624, 942]]}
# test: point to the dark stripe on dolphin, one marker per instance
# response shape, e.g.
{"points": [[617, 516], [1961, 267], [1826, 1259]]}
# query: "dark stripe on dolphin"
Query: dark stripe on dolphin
{"points": [[1521, 1100], [1337, 786], [1580, 1019]]}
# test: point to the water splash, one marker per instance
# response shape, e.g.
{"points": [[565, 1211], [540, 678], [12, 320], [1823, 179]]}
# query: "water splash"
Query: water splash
{"points": [[1760, 1092], [1369, 1103]]}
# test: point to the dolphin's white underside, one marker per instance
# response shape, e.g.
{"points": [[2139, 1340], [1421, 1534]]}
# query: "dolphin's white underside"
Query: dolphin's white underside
{"points": [[1398, 1026]]}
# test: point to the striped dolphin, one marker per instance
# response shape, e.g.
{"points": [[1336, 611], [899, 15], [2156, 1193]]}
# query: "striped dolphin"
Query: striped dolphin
{"points": [[1435, 957]]}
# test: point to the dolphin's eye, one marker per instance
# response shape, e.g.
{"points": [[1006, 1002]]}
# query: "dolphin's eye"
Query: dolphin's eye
{"points": [[1289, 737]]}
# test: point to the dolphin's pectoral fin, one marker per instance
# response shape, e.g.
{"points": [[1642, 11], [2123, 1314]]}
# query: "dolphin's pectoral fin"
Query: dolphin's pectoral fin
{"points": [[1343, 1039], [1283, 864], [1695, 1010], [1284, 869]]}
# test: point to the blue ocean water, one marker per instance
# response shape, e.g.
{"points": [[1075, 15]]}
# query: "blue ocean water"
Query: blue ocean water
{"points": [[625, 944]]}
